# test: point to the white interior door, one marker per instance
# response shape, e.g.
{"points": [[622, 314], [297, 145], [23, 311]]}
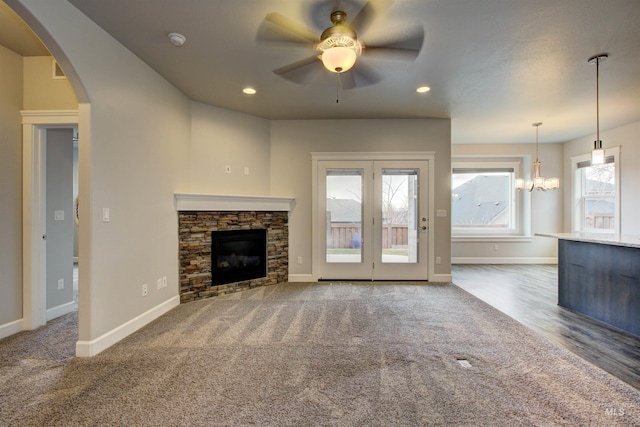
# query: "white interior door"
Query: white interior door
{"points": [[373, 220]]}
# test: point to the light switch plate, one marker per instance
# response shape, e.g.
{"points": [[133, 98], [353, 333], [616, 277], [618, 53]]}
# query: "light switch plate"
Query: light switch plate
{"points": [[442, 213], [106, 215], [58, 215]]}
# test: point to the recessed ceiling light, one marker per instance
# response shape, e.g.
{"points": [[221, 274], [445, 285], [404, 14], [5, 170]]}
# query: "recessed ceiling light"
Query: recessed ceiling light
{"points": [[249, 91], [423, 89]]}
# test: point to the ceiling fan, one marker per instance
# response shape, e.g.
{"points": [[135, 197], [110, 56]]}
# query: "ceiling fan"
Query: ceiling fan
{"points": [[340, 50]]}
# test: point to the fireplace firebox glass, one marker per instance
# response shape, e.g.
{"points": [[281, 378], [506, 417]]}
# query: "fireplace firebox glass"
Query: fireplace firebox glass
{"points": [[238, 255]]}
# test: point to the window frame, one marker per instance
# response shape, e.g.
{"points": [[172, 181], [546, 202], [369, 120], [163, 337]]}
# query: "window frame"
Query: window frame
{"points": [[577, 198], [520, 201]]}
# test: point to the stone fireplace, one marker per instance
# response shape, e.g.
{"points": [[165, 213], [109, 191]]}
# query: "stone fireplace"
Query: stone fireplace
{"points": [[201, 217]]}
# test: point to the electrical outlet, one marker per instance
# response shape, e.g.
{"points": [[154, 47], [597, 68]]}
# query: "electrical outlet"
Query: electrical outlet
{"points": [[145, 290], [246, 170], [299, 260], [438, 260], [60, 284], [159, 283], [164, 281]]}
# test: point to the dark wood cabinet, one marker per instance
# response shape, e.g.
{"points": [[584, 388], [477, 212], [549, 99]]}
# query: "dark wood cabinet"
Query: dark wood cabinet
{"points": [[601, 281]]}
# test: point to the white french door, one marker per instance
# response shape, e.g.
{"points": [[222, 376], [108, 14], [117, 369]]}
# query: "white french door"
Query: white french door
{"points": [[373, 219]]}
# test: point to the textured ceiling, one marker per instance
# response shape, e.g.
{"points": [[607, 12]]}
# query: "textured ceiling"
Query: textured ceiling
{"points": [[494, 66]]}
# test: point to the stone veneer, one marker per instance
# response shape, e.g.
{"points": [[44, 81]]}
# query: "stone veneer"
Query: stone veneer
{"points": [[195, 227]]}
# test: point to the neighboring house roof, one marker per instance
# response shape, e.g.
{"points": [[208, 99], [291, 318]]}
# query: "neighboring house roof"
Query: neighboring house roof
{"points": [[345, 210], [479, 201]]}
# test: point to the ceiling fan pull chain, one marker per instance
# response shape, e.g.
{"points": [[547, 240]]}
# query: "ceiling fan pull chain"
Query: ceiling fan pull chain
{"points": [[337, 88]]}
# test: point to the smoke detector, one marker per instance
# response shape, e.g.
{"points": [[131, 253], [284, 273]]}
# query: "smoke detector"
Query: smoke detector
{"points": [[177, 39]]}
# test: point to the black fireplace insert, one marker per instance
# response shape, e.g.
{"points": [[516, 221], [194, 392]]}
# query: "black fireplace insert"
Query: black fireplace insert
{"points": [[238, 255]]}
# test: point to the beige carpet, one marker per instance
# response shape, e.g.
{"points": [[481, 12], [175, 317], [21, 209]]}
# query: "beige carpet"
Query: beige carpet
{"points": [[370, 354]]}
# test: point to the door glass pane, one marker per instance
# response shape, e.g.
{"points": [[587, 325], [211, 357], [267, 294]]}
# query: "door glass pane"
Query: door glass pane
{"points": [[344, 216], [399, 216]]}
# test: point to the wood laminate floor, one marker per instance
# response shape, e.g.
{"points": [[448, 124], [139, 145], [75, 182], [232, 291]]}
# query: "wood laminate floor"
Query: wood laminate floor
{"points": [[529, 294]]}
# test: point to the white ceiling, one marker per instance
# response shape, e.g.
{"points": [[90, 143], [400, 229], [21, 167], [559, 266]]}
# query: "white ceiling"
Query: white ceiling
{"points": [[494, 66]]}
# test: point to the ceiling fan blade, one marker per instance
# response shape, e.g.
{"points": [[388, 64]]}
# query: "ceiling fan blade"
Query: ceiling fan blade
{"points": [[367, 14], [347, 80], [299, 71], [405, 44], [292, 28], [392, 53], [361, 75]]}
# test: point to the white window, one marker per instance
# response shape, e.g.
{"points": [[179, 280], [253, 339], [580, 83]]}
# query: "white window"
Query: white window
{"points": [[596, 194], [484, 201]]}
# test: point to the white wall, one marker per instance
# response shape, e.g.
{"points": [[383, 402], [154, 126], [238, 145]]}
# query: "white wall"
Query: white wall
{"points": [[10, 189], [133, 156], [628, 139], [546, 208], [221, 137], [293, 141]]}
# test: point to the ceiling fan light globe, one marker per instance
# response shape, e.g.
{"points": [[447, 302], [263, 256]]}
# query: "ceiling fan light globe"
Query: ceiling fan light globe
{"points": [[339, 59]]}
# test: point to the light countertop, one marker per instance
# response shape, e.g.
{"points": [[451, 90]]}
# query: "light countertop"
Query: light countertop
{"points": [[601, 238]]}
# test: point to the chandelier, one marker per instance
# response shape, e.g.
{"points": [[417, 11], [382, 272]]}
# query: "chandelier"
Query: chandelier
{"points": [[538, 182]]}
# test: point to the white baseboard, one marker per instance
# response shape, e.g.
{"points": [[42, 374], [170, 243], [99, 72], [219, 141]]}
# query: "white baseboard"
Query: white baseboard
{"points": [[302, 278], [442, 278], [504, 260], [61, 310], [11, 328], [91, 348]]}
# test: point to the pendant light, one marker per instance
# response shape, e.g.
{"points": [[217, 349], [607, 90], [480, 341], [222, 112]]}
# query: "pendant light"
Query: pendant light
{"points": [[597, 155], [538, 182]]}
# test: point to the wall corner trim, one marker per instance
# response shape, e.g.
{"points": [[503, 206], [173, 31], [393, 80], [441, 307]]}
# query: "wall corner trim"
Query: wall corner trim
{"points": [[91, 348]]}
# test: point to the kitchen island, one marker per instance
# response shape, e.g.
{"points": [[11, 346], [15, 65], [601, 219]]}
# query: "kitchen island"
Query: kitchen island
{"points": [[599, 276]]}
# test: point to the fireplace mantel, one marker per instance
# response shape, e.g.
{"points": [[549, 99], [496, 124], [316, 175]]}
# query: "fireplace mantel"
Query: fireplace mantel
{"points": [[222, 202]]}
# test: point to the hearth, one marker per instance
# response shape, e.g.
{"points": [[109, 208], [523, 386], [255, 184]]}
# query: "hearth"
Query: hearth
{"points": [[238, 255]]}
